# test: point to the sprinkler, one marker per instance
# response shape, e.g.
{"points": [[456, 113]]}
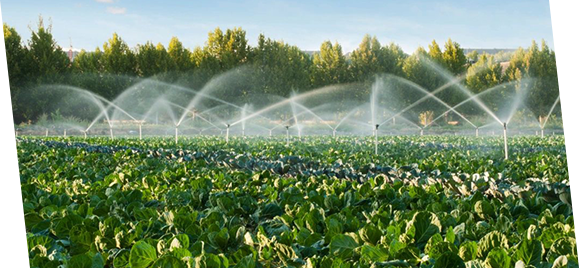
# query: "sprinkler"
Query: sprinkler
{"points": [[64, 134], [140, 131], [176, 134], [270, 132], [476, 131], [227, 134], [243, 131], [542, 133], [287, 135], [376, 139], [84, 132], [111, 131], [421, 131], [46, 134], [505, 139], [334, 132]]}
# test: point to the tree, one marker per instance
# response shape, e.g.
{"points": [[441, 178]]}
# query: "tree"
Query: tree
{"points": [[371, 58], [18, 66], [454, 58], [435, 53], [418, 70], [329, 65], [231, 48], [152, 60], [88, 62], [119, 64], [472, 57], [483, 75], [180, 56], [48, 64], [47, 58], [536, 69], [280, 67], [118, 58]]}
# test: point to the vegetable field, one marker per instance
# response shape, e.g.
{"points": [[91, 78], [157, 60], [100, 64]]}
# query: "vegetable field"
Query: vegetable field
{"points": [[429, 201]]}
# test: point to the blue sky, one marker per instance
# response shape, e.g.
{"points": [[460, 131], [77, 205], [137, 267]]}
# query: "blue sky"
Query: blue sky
{"points": [[474, 24]]}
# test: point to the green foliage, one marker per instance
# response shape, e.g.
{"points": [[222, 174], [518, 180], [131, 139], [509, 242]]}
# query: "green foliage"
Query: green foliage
{"points": [[329, 65], [203, 203]]}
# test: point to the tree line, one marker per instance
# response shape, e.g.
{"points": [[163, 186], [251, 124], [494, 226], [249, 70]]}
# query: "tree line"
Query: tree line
{"points": [[277, 67]]}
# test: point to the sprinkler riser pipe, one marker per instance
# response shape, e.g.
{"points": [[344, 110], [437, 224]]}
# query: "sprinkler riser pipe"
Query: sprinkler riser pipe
{"points": [[176, 135], [476, 131], [505, 141], [111, 131], [376, 139], [543, 133], [227, 135], [140, 132], [64, 134], [46, 135], [287, 135]]}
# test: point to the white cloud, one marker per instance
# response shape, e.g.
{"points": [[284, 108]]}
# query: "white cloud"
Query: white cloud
{"points": [[105, 1], [116, 10]]}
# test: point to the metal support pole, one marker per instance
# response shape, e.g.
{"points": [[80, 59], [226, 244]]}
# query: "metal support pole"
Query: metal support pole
{"points": [[176, 134], [140, 132], [287, 135], [505, 140], [376, 139], [227, 134]]}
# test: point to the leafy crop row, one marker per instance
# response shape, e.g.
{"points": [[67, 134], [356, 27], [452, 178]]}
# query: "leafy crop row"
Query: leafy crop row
{"points": [[424, 202]]}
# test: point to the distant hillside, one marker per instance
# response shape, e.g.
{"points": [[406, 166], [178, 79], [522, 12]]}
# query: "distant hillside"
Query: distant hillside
{"points": [[490, 51]]}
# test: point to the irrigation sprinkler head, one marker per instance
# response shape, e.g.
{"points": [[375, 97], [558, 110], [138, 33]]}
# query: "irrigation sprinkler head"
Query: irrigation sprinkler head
{"points": [[227, 125], [286, 127], [505, 125], [377, 126]]}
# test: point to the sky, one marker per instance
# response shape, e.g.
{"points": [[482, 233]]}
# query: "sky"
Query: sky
{"points": [[306, 24]]}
